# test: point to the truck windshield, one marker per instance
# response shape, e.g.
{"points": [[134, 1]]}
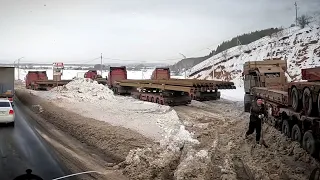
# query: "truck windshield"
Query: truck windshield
{"points": [[4, 104]]}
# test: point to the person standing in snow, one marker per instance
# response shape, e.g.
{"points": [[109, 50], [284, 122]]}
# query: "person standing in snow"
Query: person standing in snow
{"points": [[256, 114]]}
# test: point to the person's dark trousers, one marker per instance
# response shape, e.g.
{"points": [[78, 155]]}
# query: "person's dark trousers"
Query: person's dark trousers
{"points": [[254, 124]]}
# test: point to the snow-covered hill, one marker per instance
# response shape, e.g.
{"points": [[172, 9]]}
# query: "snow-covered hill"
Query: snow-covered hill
{"points": [[300, 47]]}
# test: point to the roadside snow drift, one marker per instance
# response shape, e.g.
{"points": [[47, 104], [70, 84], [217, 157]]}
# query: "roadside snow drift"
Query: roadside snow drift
{"points": [[158, 122], [90, 99]]}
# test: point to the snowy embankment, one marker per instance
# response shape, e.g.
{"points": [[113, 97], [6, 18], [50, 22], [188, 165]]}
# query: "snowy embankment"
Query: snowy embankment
{"points": [[94, 100], [300, 47], [161, 123], [233, 94]]}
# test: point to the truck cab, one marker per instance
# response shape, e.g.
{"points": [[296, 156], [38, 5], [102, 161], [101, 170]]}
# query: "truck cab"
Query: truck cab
{"points": [[33, 76], [116, 74], [267, 73], [161, 74], [92, 74]]}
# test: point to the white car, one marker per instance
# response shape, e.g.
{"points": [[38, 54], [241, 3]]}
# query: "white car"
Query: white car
{"points": [[6, 112]]}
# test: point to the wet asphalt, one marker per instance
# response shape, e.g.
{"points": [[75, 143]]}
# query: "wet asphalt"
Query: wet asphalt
{"points": [[21, 148]]}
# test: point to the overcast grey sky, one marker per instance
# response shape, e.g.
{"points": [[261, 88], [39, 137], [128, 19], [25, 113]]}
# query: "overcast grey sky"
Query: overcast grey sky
{"points": [[141, 30]]}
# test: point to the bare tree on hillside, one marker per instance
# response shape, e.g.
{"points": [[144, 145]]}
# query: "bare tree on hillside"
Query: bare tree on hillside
{"points": [[224, 54], [304, 20]]}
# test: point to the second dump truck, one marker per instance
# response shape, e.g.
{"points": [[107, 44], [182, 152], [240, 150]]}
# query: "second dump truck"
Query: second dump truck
{"points": [[163, 89], [292, 107]]}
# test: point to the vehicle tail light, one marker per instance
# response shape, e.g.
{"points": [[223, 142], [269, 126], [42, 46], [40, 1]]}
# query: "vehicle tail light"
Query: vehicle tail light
{"points": [[10, 99], [11, 111]]}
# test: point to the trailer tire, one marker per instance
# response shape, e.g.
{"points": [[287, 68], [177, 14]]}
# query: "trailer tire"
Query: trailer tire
{"points": [[315, 174], [295, 99], [307, 102], [286, 128], [309, 143], [296, 134]]}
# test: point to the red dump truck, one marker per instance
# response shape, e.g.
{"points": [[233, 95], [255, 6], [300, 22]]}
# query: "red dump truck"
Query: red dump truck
{"points": [[292, 107], [164, 90], [93, 74], [38, 80]]}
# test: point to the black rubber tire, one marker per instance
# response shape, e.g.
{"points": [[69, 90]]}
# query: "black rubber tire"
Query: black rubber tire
{"points": [[295, 99], [296, 134], [161, 102], [309, 143], [148, 99], [315, 174], [286, 128], [157, 100], [307, 102], [152, 99], [318, 104]]}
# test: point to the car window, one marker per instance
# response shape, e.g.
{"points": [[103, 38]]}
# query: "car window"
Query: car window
{"points": [[4, 104]]}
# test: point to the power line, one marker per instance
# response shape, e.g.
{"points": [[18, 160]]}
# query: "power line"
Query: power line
{"points": [[136, 60]]}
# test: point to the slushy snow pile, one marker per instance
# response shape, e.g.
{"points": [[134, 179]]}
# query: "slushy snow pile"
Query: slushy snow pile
{"points": [[300, 47], [98, 101], [158, 122]]}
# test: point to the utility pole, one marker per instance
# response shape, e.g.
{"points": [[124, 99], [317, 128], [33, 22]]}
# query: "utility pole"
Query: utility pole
{"points": [[18, 65], [296, 6], [101, 65]]}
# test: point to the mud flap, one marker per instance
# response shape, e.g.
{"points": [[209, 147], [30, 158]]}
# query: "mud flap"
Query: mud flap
{"points": [[247, 102]]}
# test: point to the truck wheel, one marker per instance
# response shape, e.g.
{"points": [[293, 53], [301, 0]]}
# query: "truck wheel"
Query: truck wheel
{"points": [[286, 128], [295, 99], [157, 100], [152, 99], [309, 143], [148, 98], [315, 174], [296, 133], [307, 102]]}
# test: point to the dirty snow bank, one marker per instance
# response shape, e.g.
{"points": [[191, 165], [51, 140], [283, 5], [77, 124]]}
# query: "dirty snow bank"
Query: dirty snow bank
{"points": [[93, 100], [90, 99]]}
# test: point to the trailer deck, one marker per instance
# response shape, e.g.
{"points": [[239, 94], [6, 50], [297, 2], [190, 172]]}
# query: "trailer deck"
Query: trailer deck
{"points": [[272, 95], [197, 89]]}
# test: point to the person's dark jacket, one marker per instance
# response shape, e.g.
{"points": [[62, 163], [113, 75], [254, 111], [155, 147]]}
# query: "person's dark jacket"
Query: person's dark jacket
{"points": [[255, 111]]}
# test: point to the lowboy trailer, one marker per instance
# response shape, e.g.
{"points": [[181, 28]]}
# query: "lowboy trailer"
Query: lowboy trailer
{"points": [[165, 90], [293, 107], [38, 80]]}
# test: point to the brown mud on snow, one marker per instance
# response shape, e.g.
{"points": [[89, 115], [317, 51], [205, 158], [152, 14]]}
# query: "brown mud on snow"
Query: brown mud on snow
{"points": [[220, 127], [109, 143], [222, 153]]}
